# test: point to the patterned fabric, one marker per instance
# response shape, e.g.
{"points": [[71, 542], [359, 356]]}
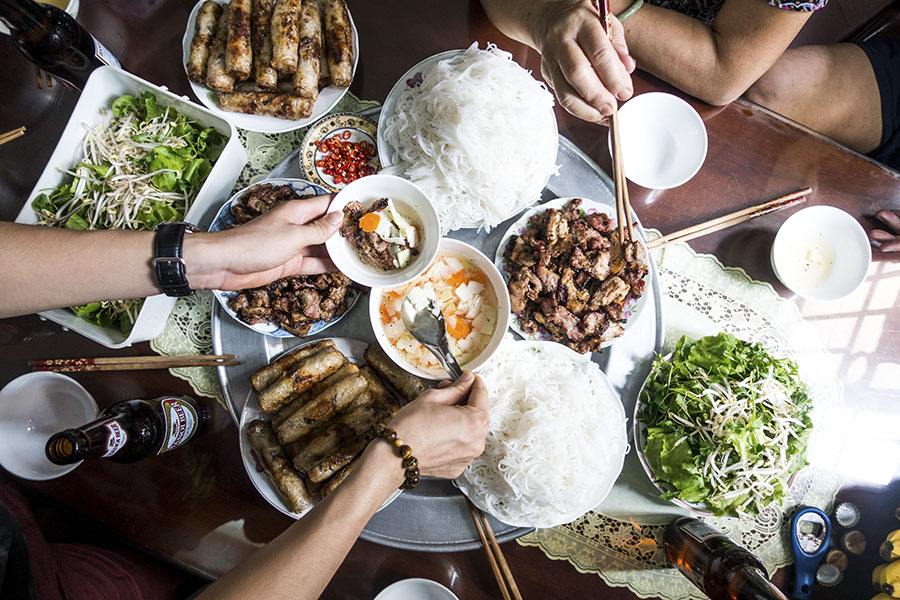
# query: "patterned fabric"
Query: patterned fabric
{"points": [[706, 10]]}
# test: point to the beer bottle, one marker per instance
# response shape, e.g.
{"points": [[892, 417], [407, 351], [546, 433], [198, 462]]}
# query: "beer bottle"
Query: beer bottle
{"points": [[129, 431], [721, 569], [53, 40]]}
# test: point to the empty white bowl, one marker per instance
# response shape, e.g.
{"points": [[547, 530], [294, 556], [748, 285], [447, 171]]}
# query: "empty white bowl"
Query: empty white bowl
{"points": [[416, 589], [32, 408], [821, 253], [412, 203], [663, 140]]}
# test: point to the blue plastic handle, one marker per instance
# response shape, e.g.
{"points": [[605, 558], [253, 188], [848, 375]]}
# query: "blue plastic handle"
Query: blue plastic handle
{"points": [[805, 564]]}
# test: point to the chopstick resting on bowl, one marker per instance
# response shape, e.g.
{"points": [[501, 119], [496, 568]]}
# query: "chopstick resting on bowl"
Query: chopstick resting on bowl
{"points": [[12, 134], [132, 363], [731, 219], [502, 574]]}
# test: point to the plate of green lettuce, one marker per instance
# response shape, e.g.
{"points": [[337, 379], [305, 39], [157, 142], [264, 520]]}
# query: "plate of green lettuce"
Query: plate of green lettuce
{"points": [[722, 425]]}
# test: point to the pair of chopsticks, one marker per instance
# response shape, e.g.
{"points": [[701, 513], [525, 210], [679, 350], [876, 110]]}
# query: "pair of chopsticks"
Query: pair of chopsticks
{"points": [[12, 134], [731, 219], [502, 574], [623, 204], [132, 363]]}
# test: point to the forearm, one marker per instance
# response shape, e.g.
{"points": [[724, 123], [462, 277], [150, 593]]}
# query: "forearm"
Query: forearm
{"points": [[714, 63], [44, 268], [300, 562]]}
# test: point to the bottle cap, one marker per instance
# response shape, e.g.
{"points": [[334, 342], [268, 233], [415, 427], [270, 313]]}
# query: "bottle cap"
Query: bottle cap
{"points": [[837, 559], [846, 514], [829, 575], [854, 542]]}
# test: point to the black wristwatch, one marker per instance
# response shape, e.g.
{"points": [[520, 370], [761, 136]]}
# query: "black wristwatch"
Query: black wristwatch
{"points": [[169, 262]]}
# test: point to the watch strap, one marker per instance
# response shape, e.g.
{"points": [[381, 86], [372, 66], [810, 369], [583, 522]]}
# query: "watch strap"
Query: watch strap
{"points": [[168, 247]]}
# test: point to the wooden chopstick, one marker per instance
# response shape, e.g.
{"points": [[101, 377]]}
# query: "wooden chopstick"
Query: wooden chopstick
{"points": [[12, 134], [731, 219], [132, 363], [623, 203], [508, 588]]}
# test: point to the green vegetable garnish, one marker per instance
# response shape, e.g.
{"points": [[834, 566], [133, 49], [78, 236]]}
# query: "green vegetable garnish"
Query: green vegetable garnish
{"points": [[143, 167], [726, 423]]}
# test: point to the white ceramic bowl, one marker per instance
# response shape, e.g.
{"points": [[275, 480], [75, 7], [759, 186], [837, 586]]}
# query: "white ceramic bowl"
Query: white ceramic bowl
{"points": [[103, 87], [663, 140], [32, 408], [225, 218], [416, 589], [816, 230], [412, 203], [328, 96], [453, 248]]}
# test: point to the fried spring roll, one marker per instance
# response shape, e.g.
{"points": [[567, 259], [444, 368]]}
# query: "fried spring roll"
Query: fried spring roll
{"points": [[300, 378], [321, 408], [286, 480], [324, 73], [272, 104], [331, 464], [204, 33], [305, 453], [269, 374], [217, 78], [335, 481], [238, 52], [285, 35], [339, 42], [407, 384], [285, 87], [306, 78], [297, 403], [261, 42], [382, 399]]}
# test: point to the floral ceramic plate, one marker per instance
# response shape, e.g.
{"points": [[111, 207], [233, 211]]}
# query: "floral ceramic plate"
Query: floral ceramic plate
{"points": [[345, 127], [225, 219]]}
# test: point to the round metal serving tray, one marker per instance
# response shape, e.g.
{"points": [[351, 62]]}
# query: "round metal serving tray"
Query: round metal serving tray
{"points": [[433, 516]]}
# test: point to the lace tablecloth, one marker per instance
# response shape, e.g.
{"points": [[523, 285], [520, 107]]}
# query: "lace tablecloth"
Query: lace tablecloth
{"points": [[619, 540]]}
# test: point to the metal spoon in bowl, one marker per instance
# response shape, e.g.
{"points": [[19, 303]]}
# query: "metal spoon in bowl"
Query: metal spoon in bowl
{"points": [[427, 327]]}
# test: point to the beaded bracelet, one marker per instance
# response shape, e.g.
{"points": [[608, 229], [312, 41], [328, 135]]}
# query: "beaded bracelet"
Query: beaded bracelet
{"points": [[379, 430]]}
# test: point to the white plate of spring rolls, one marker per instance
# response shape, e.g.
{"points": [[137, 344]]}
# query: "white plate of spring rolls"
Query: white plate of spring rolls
{"points": [[274, 472], [235, 50]]}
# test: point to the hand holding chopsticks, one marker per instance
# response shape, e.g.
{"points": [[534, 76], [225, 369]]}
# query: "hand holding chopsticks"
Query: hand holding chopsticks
{"points": [[132, 363], [731, 219], [502, 574]]}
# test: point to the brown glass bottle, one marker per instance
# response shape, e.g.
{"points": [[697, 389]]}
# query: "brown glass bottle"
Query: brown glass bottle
{"points": [[722, 569], [129, 431], [53, 40]]}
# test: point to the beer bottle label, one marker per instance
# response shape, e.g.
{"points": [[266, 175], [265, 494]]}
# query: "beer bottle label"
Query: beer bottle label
{"points": [[101, 52], [700, 531], [115, 439], [180, 420]]}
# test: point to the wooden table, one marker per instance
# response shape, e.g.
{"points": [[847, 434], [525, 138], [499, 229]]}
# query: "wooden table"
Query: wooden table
{"points": [[196, 506]]}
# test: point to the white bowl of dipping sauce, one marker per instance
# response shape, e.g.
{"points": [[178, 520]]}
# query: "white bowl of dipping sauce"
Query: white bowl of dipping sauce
{"points": [[32, 408], [821, 253], [416, 589], [663, 140]]}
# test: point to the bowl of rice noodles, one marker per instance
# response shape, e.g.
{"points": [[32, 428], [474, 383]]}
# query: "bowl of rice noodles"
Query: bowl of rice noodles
{"points": [[557, 439], [475, 131]]}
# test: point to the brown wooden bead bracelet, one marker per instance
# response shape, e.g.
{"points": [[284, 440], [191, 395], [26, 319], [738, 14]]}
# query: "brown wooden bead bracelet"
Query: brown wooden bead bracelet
{"points": [[410, 464]]}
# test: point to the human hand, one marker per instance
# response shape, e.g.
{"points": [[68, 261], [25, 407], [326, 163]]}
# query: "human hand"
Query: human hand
{"points": [[287, 240], [446, 427], [890, 240], [587, 72]]}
